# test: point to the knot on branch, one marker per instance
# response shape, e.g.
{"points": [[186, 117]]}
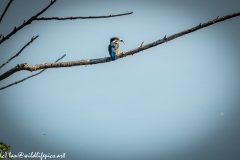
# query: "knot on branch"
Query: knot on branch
{"points": [[20, 66], [25, 66], [33, 17]]}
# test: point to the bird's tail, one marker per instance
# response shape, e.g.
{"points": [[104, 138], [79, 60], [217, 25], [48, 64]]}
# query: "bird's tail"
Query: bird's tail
{"points": [[113, 56]]}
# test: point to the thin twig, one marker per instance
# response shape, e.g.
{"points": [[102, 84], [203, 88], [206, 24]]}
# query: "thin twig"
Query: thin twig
{"points": [[25, 23], [32, 39], [34, 18], [5, 10], [81, 17], [25, 66], [30, 76]]}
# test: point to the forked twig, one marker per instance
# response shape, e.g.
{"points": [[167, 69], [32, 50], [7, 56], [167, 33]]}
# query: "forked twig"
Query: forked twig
{"points": [[25, 23], [34, 18], [30, 76]]}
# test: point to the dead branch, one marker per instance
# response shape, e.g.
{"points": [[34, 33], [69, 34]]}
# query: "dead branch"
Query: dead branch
{"points": [[32, 39], [34, 18], [81, 17], [5, 10], [25, 66], [25, 23], [30, 76]]}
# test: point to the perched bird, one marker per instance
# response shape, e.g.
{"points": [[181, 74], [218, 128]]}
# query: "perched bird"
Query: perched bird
{"points": [[113, 47]]}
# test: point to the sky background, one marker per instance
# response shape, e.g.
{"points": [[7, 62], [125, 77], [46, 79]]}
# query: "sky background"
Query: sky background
{"points": [[176, 101]]}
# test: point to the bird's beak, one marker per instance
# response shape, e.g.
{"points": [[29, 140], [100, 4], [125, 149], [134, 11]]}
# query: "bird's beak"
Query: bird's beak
{"points": [[122, 41]]}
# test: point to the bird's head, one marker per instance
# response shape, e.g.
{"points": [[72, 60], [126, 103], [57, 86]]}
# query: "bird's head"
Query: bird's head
{"points": [[116, 40]]}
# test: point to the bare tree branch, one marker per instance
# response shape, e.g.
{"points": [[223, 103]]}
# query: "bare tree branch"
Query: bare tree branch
{"points": [[41, 12], [33, 18], [81, 17], [32, 39], [30, 76], [26, 23], [25, 66], [5, 10]]}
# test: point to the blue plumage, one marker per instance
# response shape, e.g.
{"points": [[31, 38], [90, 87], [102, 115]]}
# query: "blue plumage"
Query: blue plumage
{"points": [[113, 47]]}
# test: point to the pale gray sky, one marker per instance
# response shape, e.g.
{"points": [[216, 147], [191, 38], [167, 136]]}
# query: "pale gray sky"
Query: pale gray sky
{"points": [[179, 100]]}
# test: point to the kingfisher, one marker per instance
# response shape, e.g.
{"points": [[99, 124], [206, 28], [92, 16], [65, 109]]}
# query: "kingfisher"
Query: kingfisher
{"points": [[113, 47]]}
